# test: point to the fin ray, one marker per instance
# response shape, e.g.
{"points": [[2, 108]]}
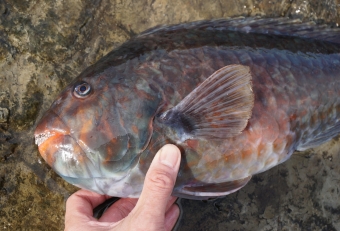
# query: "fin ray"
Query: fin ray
{"points": [[223, 89], [206, 191], [218, 108]]}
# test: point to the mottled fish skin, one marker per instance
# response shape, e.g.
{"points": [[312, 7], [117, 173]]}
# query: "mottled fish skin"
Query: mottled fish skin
{"points": [[106, 141]]}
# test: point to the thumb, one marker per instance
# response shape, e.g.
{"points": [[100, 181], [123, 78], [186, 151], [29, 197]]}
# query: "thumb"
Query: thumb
{"points": [[159, 182]]}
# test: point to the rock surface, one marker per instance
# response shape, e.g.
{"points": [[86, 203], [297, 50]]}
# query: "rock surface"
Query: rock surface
{"points": [[45, 44]]}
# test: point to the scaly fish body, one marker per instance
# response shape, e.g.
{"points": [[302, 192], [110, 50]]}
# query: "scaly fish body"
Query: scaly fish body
{"points": [[105, 137]]}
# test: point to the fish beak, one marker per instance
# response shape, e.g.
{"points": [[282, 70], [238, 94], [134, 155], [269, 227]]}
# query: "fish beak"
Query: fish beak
{"points": [[49, 125], [60, 150], [48, 135]]}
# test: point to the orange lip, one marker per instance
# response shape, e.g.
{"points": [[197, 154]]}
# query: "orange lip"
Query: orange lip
{"points": [[49, 146], [49, 133]]}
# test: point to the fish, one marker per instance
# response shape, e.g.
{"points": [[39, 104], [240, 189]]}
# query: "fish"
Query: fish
{"points": [[237, 96]]}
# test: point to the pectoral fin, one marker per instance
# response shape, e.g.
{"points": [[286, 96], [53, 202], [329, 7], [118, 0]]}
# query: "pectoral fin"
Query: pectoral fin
{"points": [[218, 108]]}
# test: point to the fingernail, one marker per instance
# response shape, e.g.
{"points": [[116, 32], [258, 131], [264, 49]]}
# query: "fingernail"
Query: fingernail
{"points": [[168, 158]]}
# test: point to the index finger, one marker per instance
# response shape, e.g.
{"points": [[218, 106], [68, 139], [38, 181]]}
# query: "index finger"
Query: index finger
{"points": [[80, 204]]}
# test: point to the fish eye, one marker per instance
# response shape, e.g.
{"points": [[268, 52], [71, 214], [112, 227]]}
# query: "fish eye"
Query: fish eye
{"points": [[82, 89]]}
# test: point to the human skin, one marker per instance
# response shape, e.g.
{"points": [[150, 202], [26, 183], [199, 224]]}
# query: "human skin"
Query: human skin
{"points": [[154, 210]]}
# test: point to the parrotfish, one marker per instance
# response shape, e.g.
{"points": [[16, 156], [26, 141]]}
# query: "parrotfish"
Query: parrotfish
{"points": [[237, 96]]}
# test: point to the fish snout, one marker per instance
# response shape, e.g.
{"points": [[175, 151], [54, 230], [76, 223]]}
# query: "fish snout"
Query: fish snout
{"points": [[49, 135], [61, 151], [50, 125]]}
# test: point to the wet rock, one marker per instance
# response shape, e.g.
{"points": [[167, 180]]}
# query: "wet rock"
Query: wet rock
{"points": [[3, 115]]}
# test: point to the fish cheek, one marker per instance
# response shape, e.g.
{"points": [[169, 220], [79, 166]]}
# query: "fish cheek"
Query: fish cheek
{"points": [[71, 160], [115, 149], [119, 154]]}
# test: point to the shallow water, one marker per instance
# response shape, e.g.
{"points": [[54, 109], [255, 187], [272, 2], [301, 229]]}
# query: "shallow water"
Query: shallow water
{"points": [[45, 44]]}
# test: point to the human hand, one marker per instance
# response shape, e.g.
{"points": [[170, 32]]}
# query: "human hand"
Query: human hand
{"points": [[154, 210]]}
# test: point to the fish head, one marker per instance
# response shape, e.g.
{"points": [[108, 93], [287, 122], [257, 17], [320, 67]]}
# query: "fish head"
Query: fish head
{"points": [[96, 130]]}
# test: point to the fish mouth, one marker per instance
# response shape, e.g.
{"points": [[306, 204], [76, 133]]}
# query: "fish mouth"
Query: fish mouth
{"points": [[62, 151], [48, 135], [49, 127], [72, 159], [40, 138]]}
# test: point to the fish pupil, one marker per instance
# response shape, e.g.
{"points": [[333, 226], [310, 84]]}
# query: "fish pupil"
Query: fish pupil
{"points": [[83, 88]]}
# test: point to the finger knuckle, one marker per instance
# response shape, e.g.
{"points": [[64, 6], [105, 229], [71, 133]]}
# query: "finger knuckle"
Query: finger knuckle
{"points": [[161, 180], [125, 208], [70, 199]]}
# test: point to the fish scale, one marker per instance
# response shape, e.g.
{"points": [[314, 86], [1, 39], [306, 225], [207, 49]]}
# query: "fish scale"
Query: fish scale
{"points": [[286, 86], [237, 96]]}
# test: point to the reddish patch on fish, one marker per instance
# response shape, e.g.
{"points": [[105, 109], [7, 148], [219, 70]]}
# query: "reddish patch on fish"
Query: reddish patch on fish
{"points": [[109, 151], [293, 117], [123, 100], [190, 164], [143, 94], [211, 165], [50, 146], [134, 129], [217, 114], [247, 151], [139, 115], [279, 145], [230, 157], [101, 78], [192, 143]]}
